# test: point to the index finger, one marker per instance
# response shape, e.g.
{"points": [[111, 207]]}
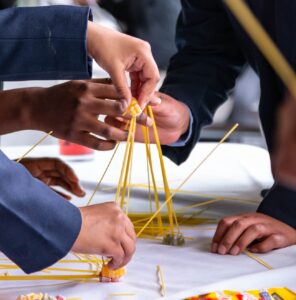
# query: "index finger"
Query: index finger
{"points": [[149, 77], [222, 228], [103, 91]]}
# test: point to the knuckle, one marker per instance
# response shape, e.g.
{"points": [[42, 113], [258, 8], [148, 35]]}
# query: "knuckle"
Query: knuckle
{"points": [[118, 108], [82, 86], [239, 223], [261, 248], [259, 228], [226, 243], [107, 132], [99, 146], [224, 222], [145, 45], [276, 239]]}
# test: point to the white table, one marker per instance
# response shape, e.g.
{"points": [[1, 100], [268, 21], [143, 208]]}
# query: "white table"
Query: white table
{"points": [[236, 171]]}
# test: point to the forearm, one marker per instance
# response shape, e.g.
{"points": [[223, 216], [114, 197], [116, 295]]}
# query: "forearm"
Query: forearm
{"points": [[44, 43], [14, 110], [37, 226], [205, 67]]}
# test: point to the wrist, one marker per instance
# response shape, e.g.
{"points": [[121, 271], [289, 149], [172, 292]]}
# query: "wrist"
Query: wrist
{"points": [[33, 106], [93, 38]]}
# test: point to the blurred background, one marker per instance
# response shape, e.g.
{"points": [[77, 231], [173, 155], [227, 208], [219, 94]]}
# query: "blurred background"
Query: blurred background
{"points": [[155, 21]]}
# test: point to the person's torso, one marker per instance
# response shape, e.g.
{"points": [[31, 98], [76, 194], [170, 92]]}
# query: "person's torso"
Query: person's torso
{"points": [[278, 17]]}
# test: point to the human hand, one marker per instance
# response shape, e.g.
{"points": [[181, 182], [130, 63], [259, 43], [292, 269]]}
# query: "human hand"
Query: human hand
{"points": [[71, 111], [172, 118], [255, 231], [117, 53], [54, 172], [106, 231], [283, 159]]}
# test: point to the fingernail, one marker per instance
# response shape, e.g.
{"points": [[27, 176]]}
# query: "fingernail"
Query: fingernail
{"points": [[149, 122], [255, 250], [214, 247], [222, 250], [235, 250], [124, 104], [155, 101]]}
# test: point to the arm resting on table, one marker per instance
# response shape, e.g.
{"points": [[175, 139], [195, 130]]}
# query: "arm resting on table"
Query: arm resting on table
{"points": [[37, 226]]}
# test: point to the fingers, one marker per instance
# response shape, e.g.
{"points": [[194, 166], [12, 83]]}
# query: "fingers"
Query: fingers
{"points": [[251, 234], [222, 228], [88, 140], [260, 232], [234, 232], [135, 83], [149, 77], [100, 80], [108, 132], [65, 196], [104, 91], [117, 258], [107, 107], [61, 174], [273, 241], [128, 246], [117, 74]]}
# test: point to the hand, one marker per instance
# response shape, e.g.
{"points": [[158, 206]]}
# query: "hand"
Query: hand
{"points": [[117, 53], [71, 110], [54, 172], [171, 116], [258, 232], [106, 231], [283, 158]]}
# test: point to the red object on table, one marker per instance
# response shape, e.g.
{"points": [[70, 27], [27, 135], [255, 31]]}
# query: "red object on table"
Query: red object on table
{"points": [[68, 148]]}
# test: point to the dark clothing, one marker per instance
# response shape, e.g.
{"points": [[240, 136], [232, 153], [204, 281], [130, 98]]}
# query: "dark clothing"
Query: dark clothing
{"points": [[212, 49], [37, 226], [151, 20]]}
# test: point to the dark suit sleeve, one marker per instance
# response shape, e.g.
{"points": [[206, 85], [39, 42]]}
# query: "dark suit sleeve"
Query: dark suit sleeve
{"points": [[280, 204], [205, 67], [37, 226], [39, 43]]}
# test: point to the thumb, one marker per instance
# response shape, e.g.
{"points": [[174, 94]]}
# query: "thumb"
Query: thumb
{"points": [[120, 82]]}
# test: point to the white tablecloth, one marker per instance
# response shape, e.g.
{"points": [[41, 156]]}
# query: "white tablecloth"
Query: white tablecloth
{"points": [[235, 171]]}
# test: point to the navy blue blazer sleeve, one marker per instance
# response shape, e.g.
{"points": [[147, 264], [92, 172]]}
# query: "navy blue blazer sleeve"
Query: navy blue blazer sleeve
{"points": [[200, 75], [37, 226], [38, 43], [205, 67]]}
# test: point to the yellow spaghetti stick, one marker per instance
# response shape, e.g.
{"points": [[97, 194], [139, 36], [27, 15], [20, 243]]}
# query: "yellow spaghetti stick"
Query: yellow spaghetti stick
{"points": [[165, 181], [268, 48], [188, 177], [101, 179], [161, 281], [148, 154], [258, 259], [123, 164], [47, 277], [129, 159], [34, 146]]}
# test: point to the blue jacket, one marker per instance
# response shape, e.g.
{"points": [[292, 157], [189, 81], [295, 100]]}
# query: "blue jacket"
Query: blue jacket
{"points": [[212, 50], [37, 226]]}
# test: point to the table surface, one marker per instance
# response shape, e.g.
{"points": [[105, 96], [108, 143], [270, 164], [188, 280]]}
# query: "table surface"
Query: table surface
{"points": [[236, 172]]}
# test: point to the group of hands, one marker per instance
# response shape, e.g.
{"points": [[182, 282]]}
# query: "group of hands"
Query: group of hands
{"points": [[71, 111]]}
